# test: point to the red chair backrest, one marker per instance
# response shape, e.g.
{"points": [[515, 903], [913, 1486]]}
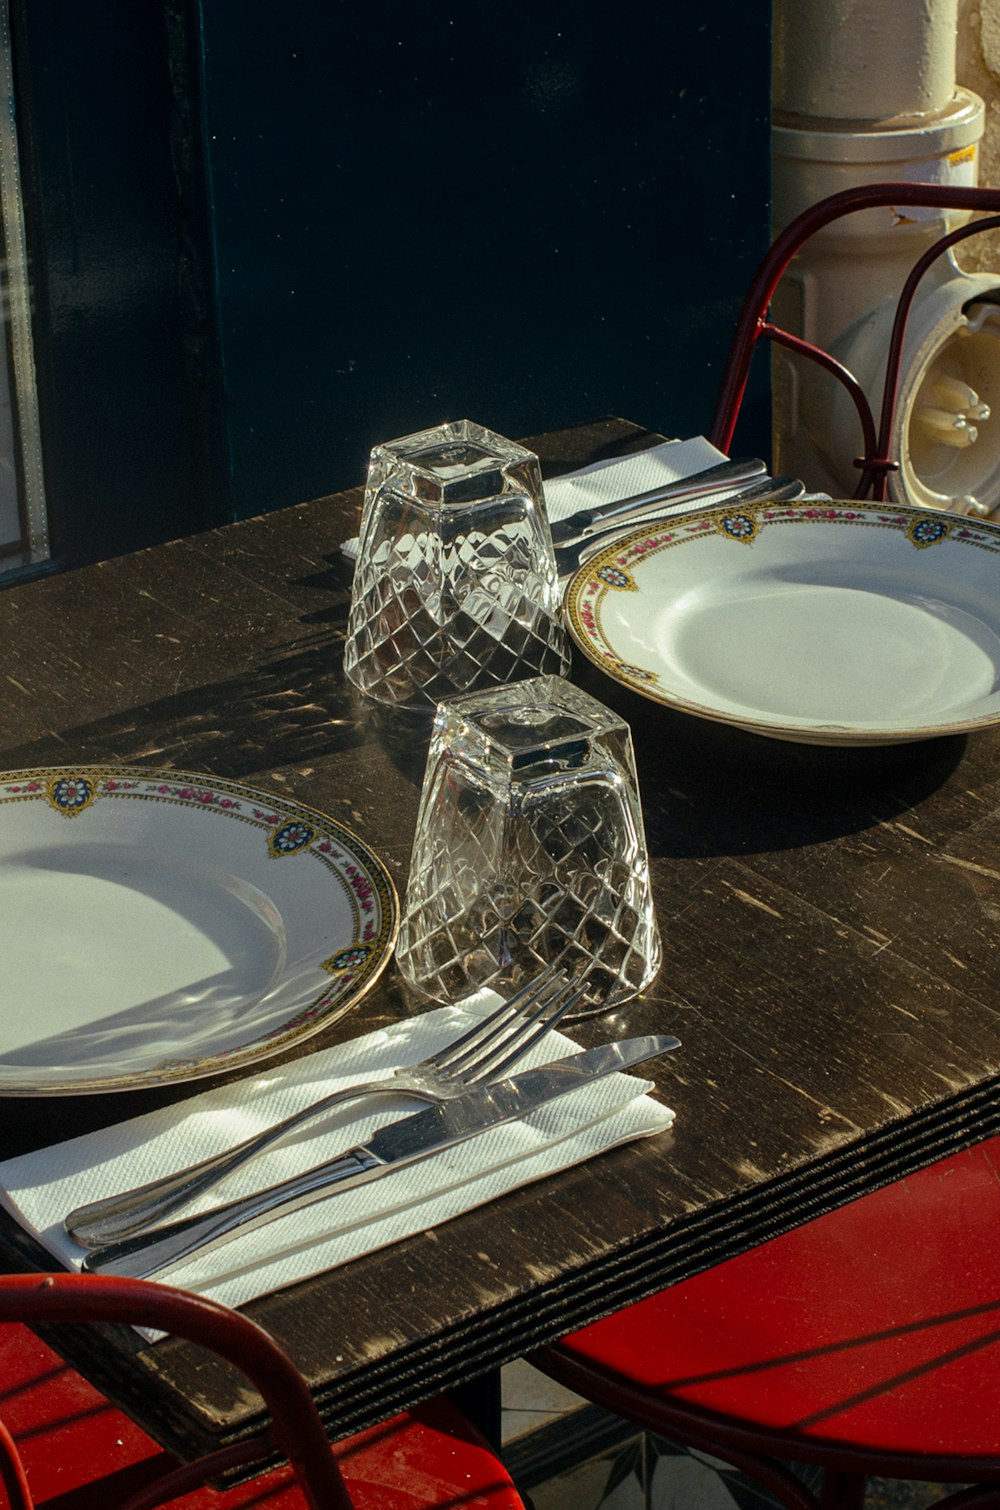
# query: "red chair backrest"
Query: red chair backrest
{"points": [[753, 325], [296, 1429]]}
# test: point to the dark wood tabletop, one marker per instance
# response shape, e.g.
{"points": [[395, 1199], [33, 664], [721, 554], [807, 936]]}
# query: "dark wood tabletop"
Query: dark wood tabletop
{"points": [[829, 921]]}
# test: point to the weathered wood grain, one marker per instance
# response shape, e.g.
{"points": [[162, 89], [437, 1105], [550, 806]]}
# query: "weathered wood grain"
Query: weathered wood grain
{"points": [[829, 920]]}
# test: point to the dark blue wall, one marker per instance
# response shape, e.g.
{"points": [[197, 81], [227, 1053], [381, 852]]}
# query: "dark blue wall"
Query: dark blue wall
{"points": [[524, 213], [264, 237], [121, 327]]}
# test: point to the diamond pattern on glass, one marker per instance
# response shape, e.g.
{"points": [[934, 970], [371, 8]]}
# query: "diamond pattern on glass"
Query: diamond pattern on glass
{"points": [[455, 585], [529, 849]]}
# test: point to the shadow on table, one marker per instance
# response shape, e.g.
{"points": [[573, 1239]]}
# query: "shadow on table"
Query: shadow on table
{"points": [[292, 707], [709, 789]]}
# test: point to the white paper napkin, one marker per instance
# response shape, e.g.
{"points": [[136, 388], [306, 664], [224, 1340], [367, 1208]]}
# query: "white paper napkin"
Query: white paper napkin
{"points": [[621, 477], [608, 481], [41, 1187]]}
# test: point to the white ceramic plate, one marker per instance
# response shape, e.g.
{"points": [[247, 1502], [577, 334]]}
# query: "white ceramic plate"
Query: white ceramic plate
{"points": [[825, 623], [157, 926]]}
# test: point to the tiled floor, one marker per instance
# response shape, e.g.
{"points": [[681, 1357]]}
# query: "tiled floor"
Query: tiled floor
{"points": [[566, 1455], [531, 1401]]}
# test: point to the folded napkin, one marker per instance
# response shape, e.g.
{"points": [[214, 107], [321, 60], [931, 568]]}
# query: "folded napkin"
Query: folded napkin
{"points": [[625, 476], [41, 1187], [620, 477]]}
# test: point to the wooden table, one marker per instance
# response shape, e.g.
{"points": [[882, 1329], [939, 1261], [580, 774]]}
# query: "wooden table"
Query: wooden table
{"points": [[829, 919]]}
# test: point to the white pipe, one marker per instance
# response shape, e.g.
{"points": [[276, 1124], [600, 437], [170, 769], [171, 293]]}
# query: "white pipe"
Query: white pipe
{"points": [[864, 60], [865, 92]]}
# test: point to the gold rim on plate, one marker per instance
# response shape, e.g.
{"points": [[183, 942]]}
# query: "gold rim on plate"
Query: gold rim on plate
{"points": [[820, 622], [161, 926]]}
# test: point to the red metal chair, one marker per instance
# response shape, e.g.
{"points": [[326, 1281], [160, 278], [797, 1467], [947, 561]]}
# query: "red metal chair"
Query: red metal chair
{"points": [[866, 1341], [65, 1447], [753, 325]]}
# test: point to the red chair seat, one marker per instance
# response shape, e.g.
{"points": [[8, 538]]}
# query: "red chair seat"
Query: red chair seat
{"points": [[867, 1340], [81, 1453]]}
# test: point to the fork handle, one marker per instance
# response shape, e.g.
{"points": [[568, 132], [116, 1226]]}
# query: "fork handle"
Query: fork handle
{"points": [[117, 1217], [150, 1252]]}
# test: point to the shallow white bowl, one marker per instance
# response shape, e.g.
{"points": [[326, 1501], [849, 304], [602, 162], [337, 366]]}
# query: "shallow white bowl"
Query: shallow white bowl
{"points": [[823, 623], [158, 926]]}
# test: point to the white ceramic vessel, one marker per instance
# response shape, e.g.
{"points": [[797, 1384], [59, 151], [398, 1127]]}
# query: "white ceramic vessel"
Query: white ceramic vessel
{"points": [[820, 622], [158, 926]]}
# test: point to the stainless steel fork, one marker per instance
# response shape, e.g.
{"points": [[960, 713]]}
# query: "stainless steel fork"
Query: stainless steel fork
{"points": [[485, 1052]]}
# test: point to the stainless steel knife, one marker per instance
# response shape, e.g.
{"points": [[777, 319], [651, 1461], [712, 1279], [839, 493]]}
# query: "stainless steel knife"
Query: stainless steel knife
{"points": [[721, 478], [393, 1147], [757, 490]]}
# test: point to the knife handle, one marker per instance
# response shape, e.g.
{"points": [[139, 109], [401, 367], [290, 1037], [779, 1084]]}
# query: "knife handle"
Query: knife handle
{"points": [[723, 478], [158, 1248]]}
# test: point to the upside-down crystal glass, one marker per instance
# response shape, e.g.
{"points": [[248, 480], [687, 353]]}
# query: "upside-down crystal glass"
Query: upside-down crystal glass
{"points": [[529, 849], [455, 584]]}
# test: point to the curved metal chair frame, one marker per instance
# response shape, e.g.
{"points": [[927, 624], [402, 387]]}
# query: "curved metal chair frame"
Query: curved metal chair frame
{"points": [[81, 1451], [753, 325], [794, 1352], [843, 1487], [296, 1430]]}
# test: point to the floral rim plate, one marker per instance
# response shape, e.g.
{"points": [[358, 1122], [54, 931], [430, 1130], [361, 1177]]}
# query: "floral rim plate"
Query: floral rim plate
{"points": [[823, 623], [158, 926]]}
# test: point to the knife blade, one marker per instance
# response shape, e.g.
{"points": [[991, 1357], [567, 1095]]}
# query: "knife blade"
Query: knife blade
{"points": [[392, 1148], [722, 477], [758, 490]]}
